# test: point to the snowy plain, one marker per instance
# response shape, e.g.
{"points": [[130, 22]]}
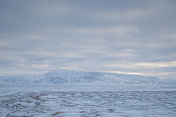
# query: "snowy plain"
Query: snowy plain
{"points": [[86, 94]]}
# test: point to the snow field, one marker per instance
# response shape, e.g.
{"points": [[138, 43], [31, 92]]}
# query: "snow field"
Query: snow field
{"points": [[89, 104]]}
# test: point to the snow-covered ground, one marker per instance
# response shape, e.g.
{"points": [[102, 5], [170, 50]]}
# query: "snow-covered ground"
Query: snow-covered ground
{"points": [[86, 94], [89, 104]]}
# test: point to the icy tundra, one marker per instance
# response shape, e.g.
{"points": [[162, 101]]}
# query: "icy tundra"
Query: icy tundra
{"points": [[86, 94]]}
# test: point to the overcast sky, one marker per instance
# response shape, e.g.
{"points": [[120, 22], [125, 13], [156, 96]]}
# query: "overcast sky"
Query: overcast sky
{"points": [[122, 36]]}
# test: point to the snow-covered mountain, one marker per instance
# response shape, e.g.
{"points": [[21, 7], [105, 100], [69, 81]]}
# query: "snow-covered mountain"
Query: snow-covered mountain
{"points": [[58, 78]]}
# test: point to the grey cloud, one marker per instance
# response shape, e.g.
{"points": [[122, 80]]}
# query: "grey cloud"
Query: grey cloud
{"points": [[38, 36]]}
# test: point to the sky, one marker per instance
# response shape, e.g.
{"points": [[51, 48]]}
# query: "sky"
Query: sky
{"points": [[119, 36]]}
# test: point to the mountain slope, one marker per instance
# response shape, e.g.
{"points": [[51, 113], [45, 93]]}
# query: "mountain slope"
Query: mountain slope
{"points": [[57, 78]]}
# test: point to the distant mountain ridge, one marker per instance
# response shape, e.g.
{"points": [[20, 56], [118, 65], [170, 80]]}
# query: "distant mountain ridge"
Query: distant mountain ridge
{"points": [[61, 77]]}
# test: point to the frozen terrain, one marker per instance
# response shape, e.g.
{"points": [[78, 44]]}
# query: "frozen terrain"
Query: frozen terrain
{"points": [[90, 104], [76, 78], [86, 94]]}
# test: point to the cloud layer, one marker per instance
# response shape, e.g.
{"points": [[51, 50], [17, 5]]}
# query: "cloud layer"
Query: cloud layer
{"points": [[123, 36]]}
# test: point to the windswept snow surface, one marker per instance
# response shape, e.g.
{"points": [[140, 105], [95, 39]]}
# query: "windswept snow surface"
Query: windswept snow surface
{"points": [[86, 94], [90, 104]]}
